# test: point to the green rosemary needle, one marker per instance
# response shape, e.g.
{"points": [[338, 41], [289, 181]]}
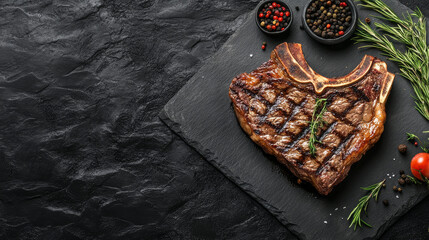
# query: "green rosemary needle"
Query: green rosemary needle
{"points": [[414, 62], [355, 215], [315, 123]]}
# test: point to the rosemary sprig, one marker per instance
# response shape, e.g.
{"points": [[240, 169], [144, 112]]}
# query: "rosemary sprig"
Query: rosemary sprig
{"points": [[423, 145], [418, 181], [414, 62], [414, 180], [355, 215], [412, 137], [315, 123]]}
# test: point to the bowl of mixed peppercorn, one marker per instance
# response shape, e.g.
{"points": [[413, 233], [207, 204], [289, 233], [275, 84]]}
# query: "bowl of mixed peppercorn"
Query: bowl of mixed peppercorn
{"points": [[330, 21], [273, 17]]}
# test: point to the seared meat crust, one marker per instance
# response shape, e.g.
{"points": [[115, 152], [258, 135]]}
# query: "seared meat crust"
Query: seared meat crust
{"points": [[274, 104]]}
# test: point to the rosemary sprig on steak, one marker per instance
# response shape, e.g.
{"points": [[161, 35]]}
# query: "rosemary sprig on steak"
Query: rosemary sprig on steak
{"points": [[316, 122], [355, 215], [414, 62]]}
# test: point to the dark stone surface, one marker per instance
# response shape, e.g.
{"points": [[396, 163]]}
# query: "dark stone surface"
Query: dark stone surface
{"points": [[83, 154]]}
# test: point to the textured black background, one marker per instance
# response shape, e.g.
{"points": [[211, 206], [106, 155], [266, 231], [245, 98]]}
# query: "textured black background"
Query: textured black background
{"points": [[83, 154]]}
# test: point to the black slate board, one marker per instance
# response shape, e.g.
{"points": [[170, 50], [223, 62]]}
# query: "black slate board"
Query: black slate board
{"points": [[201, 114]]}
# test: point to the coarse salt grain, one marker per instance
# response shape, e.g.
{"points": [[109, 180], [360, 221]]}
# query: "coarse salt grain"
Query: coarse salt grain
{"points": [[325, 222], [251, 55]]}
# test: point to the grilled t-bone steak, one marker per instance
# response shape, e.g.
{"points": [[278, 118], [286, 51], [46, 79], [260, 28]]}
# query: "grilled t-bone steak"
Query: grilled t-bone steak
{"points": [[274, 105]]}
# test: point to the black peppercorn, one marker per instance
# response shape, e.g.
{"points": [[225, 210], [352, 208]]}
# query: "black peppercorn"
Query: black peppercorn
{"points": [[402, 148], [407, 180], [297, 8], [403, 176], [395, 188], [400, 190], [401, 181], [368, 20], [385, 202], [401, 172]]}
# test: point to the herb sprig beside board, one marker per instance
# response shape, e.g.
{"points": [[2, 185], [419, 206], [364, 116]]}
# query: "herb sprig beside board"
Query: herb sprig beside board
{"points": [[356, 214], [416, 181], [423, 145], [414, 62], [316, 122]]}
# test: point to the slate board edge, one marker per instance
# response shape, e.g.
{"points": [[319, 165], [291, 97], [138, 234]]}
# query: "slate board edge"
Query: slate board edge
{"points": [[412, 202], [211, 158]]}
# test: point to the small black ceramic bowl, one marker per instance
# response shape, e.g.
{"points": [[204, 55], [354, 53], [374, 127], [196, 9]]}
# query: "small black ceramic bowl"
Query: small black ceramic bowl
{"points": [[332, 41], [262, 5]]}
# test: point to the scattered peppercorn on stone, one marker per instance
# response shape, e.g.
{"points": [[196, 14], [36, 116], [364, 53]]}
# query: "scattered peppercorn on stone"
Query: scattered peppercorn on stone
{"points": [[385, 202], [402, 148]]}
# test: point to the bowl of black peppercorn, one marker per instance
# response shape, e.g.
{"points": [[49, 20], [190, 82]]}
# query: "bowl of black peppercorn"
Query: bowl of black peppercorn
{"points": [[273, 17], [330, 21]]}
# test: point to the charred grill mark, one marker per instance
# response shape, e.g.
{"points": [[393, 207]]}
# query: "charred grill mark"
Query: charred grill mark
{"points": [[271, 109], [239, 100], [334, 151], [340, 116], [296, 139], [257, 97], [292, 114], [343, 114], [327, 131], [301, 159], [361, 95]]}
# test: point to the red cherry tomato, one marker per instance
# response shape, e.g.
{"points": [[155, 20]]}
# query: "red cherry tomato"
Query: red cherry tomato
{"points": [[420, 162], [287, 14]]}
